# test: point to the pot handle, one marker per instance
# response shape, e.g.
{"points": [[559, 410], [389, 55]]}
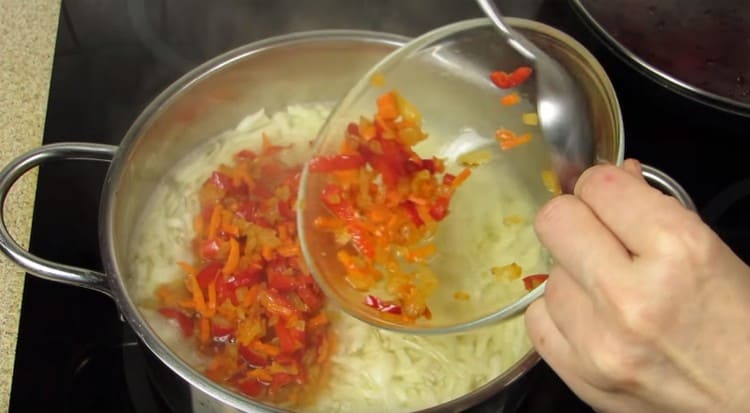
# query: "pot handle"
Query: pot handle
{"points": [[31, 263], [665, 183]]}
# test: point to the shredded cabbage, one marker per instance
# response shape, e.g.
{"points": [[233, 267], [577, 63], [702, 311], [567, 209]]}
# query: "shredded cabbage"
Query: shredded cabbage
{"points": [[371, 370]]}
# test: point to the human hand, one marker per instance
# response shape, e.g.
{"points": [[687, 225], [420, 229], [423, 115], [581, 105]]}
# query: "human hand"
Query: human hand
{"points": [[646, 309]]}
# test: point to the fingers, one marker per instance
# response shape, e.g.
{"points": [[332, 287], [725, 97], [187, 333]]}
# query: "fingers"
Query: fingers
{"points": [[578, 241], [570, 307], [556, 350], [626, 205], [634, 168]]}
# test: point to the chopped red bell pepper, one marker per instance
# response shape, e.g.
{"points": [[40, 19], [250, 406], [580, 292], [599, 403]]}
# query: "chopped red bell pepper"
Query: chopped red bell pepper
{"points": [[282, 379], [276, 304], [252, 358], [251, 387], [281, 281], [208, 274], [505, 80], [381, 305], [353, 129], [333, 163], [439, 209], [209, 249], [221, 329], [532, 281], [285, 210], [290, 339], [411, 209], [361, 240], [224, 182], [185, 323], [448, 179], [245, 155], [250, 212], [309, 297], [341, 208]]}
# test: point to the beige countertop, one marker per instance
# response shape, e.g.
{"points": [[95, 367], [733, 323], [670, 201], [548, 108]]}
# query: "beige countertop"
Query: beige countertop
{"points": [[27, 41]]}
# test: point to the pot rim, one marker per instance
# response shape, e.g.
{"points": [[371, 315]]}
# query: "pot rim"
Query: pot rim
{"points": [[114, 175]]}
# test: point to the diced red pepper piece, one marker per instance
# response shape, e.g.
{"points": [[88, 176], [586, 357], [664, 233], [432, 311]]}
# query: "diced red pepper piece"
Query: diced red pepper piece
{"points": [[282, 379], [225, 182], [275, 303], [254, 359], [208, 274], [226, 286], [411, 209], [336, 163], [333, 199], [186, 324], [505, 80], [221, 329], [448, 179], [280, 281], [285, 210], [532, 281], [361, 240], [248, 277], [290, 339], [392, 162], [309, 297], [353, 129], [250, 212], [245, 155], [209, 248], [439, 209], [251, 387], [381, 305]]}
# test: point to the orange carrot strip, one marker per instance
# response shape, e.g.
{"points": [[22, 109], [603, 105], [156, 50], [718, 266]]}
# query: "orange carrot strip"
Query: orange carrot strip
{"points": [[251, 296], [317, 321], [288, 251], [460, 178], [387, 106], [212, 298], [205, 330], [198, 299], [233, 259], [510, 99], [213, 224], [510, 144], [187, 268], [265, 348]]}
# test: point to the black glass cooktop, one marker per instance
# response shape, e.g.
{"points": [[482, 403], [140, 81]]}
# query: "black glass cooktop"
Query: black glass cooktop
{"points": [[75, 355]]}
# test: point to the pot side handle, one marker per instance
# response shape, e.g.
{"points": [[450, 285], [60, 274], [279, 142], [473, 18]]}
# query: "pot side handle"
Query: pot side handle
{"points": [[31, 263], [665, 183]]}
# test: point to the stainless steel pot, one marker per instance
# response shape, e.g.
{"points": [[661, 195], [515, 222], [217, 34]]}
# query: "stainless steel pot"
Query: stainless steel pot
{"points": [[270, 74]]}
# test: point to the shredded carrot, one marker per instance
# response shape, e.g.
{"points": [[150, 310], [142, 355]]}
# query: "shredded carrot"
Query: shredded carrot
{"points": [[205, 330], [186, 268], [510, 99], [317, 321], [460, 178], [213, 224], [264, 348], [234, 257], [509, 140], [247, 281], [212, 299]]}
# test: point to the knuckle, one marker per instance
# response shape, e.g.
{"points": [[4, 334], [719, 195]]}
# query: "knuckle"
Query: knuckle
{"points": [[684, 240], [553, 212], [594, 177], [614, 367]]}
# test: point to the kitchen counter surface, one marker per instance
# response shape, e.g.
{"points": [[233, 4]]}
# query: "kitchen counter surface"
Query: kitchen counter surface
{"points": [[27, 41]]}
